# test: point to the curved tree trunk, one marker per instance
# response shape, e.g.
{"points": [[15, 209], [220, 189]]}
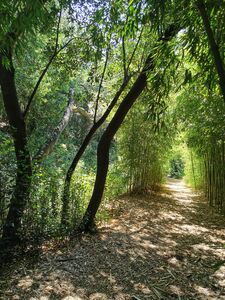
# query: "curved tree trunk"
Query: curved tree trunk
{"points": [[66, 191], [24, 169], [104, 145]]}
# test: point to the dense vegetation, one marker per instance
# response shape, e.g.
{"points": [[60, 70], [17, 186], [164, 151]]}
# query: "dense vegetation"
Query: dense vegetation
{"points": [[138, 84]]}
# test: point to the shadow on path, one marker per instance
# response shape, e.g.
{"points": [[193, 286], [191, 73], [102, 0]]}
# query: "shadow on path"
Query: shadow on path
{"points": [[164, 245]]}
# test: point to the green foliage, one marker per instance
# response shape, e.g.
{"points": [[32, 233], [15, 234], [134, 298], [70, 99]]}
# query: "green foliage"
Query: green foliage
{"points": [[20, 21], [194, 169], [143, 151], [81, 190], [201, 112], [7, 171]]}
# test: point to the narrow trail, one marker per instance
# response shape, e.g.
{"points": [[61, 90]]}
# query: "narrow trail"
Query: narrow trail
{"points": [[165, 245]]}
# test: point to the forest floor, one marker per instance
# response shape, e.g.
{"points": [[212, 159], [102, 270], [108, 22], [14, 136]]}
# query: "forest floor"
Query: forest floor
{"points": [[165, 245]]}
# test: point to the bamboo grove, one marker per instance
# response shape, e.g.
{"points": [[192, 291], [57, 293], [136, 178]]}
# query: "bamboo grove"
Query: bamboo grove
{"points": [[95, 97], [214, 177], [205, 139]]}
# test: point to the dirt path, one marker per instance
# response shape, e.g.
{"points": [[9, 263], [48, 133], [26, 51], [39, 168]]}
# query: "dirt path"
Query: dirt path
{"points": [[161, 246]]}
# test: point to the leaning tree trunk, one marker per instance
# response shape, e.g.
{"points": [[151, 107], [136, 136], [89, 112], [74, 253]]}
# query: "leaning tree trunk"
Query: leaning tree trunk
{"points": [[85, 143], [104, 145], [48, 146], [213, 45], [24, 169]]}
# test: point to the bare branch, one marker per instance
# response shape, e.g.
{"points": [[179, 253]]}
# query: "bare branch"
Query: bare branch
{"points": [[57, 32], [83, 113], [125, 69], [101, 81], [135, 49]]}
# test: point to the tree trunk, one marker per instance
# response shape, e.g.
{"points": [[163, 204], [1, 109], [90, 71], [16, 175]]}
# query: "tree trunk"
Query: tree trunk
{"points": [[213, 45], [104, 145], [66, 192], [24, 169], [47, 148]]}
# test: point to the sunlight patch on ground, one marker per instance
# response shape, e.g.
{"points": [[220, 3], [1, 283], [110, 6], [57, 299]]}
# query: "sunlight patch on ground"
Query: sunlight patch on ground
{"points": [[25, 283], [72, 298], [193, 229], [175, 262], [142, 288], [176, 290], [206, 248], [207, 294], [166, 241], [216, 238], [219, 275], [171, 216]]}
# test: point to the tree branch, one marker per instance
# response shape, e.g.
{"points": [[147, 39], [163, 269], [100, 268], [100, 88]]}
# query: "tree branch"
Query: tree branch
{"points": [[135, 49], [125, 69], [101, 81], [85, 143], [83, 113], [55, 53], [47, 148]]}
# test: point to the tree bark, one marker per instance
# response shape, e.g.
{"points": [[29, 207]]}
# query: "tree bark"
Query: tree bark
{"points": [[18, 129], [66, 192], [47, 148], [213, 46]]}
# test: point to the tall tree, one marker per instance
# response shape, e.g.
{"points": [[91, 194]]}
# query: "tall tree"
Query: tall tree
{"points": [[25, 19], [18, 128]]}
